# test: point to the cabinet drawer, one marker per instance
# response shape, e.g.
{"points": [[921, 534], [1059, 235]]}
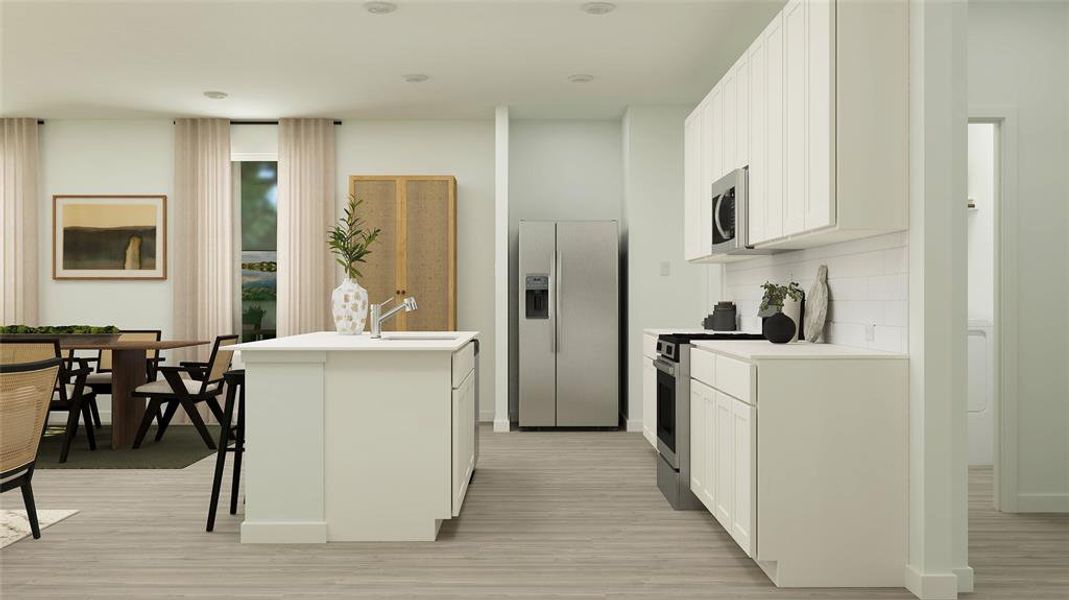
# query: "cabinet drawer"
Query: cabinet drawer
{"points": [[463, 363], [649, 345], [734, 377], [703, 366]]}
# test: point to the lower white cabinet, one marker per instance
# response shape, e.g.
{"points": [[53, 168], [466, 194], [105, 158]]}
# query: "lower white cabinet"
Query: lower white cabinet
{"points": [[800, 453], [649, 400], [464, 441]]}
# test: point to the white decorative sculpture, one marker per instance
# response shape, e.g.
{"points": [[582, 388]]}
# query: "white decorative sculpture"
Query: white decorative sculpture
{"points": [[816, 310]]}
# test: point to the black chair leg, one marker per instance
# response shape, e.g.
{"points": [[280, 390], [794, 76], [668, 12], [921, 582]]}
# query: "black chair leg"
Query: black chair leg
{"points": [[146, 422], [198, 422], [87, 416], [220, 457], [164, 420], [69, 433], [239, 450], [96, 412], [31, 507]]}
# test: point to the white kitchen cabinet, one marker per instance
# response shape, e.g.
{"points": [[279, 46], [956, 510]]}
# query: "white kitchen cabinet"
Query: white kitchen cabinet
{"points": [[649, 401], [463, 438], [692, 185], [784, 440], [817, 108]]}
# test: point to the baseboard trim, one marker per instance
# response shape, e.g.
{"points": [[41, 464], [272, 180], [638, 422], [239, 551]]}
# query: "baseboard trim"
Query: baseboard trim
{"points": [[966, 579], [931, 586], [634, 425], [486, 416], [1042, 503], [310, 532], [502, 425]]}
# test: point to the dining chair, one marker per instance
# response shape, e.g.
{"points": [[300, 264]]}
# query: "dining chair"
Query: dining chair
{"points": [[186, 386], [70, 395], [25, 395], [100, 379]]}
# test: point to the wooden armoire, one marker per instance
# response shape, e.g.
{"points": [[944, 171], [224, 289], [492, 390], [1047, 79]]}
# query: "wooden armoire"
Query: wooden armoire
{"points": [[416, 253]]}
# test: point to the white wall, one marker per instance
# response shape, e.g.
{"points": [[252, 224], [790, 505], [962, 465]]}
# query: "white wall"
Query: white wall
{"points": [[1019, 59], [464, 149], [663, 289], [559, 170], [867, 281], [104, 157], [981, 222]]}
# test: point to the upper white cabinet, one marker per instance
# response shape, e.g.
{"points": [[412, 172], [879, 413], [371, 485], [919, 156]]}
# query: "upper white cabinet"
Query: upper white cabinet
{"points": [[816, 108]]}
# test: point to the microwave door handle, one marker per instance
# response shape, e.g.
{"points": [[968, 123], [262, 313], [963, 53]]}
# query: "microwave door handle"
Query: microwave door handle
{"points": [[716, 216]]}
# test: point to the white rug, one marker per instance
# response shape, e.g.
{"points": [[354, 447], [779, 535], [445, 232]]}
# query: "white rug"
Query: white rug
{"points": [[14, 525]]}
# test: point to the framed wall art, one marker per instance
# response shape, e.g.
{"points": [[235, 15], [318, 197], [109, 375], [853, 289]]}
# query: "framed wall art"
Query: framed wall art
{"points": [[109, 237]]}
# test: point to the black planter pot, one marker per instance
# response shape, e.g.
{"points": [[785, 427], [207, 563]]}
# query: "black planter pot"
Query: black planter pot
{"points": [[778, 329]]}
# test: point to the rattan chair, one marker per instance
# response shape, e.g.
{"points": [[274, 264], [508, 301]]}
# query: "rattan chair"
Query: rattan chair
{"points": [[25, 395], [71, 394], [186, 386], [100, 379]]}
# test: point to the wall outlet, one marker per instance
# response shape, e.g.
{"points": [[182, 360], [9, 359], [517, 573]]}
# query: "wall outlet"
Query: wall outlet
{"points": [[870, 333], [666, 268]]}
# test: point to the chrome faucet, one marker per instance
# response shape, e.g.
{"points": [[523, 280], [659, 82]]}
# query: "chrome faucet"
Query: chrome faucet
{"points": [[377, 318]]}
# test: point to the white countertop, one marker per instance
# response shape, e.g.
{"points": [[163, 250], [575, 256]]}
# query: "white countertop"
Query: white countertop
{"points": [[662, 331], [761, 349], [326, 341]]}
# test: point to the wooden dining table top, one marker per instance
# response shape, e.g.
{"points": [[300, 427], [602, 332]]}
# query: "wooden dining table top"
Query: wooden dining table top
{"points": [[73, 344]]}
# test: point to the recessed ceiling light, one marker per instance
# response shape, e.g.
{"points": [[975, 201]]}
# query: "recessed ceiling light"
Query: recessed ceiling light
{"points": [[597, 8], [216, 95], [581, 78], [415, 78], [380, 8]]}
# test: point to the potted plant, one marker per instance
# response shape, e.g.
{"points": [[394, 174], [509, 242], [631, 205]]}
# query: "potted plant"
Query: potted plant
{"points": [[778, 326], [87, 334], [350, 242]]}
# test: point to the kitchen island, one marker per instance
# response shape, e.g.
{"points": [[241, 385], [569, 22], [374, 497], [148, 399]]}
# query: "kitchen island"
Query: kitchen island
{"points": [[351, 438]]}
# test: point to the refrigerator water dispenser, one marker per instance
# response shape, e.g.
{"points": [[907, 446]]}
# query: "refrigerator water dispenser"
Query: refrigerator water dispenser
{"points": [[537, 296]]}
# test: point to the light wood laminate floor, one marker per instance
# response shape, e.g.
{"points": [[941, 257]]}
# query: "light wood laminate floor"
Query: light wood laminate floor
{"points": [[549, 515]]}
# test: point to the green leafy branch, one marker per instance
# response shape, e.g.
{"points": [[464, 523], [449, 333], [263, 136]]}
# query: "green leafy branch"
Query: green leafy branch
{"points": [[776, 294], [350, 240]]}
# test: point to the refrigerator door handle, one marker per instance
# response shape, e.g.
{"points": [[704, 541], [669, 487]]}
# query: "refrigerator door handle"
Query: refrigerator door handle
{"points": [[558, 260], [553, 303]]}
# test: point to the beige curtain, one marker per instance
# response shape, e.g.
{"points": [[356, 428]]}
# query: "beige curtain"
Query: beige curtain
{"points": [[305, 212], [203, 242], [18, 221]]}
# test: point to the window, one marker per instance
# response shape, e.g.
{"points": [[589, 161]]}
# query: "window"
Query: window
{"points": [[256, 184]]}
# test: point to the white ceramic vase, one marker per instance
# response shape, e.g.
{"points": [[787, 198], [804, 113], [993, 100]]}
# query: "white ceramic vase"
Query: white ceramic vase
{"points": [[349, 307]]}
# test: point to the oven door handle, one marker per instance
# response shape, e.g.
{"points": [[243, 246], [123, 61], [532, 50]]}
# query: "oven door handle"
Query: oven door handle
{"points": [[665, 366]]}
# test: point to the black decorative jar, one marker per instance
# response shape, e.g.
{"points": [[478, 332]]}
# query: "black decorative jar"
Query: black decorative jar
{"points": [[778, 328]]}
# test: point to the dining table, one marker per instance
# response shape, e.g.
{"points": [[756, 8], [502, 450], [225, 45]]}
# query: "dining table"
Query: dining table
{"points": [[128, 371]]}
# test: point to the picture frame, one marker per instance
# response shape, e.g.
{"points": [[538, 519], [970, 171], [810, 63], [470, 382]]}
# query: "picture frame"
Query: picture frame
{"points": [[109, 237]]}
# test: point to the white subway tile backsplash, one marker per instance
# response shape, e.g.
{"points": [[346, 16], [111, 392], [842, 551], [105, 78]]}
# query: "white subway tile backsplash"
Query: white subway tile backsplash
{"points": [[868, 284]]}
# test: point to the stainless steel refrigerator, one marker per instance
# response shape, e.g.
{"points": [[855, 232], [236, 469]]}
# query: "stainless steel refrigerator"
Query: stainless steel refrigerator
{"points": [[569, 320]]}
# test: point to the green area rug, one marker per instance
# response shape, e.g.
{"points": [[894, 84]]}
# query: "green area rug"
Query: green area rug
{"points": [[180, 447]]}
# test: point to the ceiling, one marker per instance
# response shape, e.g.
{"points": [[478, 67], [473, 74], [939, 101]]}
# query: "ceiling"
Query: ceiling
{"points": [[92, 59]]}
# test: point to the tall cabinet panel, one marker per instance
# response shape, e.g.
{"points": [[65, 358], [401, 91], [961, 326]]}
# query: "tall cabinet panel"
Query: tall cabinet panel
{"points": [[588, 313], [692, 185], [415, 254], [758, 141], [774, 120], [820, 117], [796, 105]]}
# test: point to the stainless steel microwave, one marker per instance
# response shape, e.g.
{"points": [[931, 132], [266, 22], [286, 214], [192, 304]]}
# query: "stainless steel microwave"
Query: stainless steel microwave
{"points": [[730, 206]]}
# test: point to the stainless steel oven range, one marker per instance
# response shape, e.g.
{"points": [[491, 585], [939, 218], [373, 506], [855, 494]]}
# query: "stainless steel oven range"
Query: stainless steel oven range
{"points": [[673, 413]]}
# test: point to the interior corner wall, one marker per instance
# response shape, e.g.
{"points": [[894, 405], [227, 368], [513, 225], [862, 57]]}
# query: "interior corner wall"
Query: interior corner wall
{"points": [[464, 149], [104, 157], [1019, 59], [663, 289], [558, 170]]}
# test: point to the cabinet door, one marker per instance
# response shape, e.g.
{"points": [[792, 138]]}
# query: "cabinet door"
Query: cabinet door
{"points": [[429, 270], [742, 111], [692, 176], [728, 160], [744, 514], [820, 69], [725, 460], [712, 434], [774, 135], [797, 117], [463, 439], [698, 435], [649, 401], [380, 209], [709, 168], [758, 143]]}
